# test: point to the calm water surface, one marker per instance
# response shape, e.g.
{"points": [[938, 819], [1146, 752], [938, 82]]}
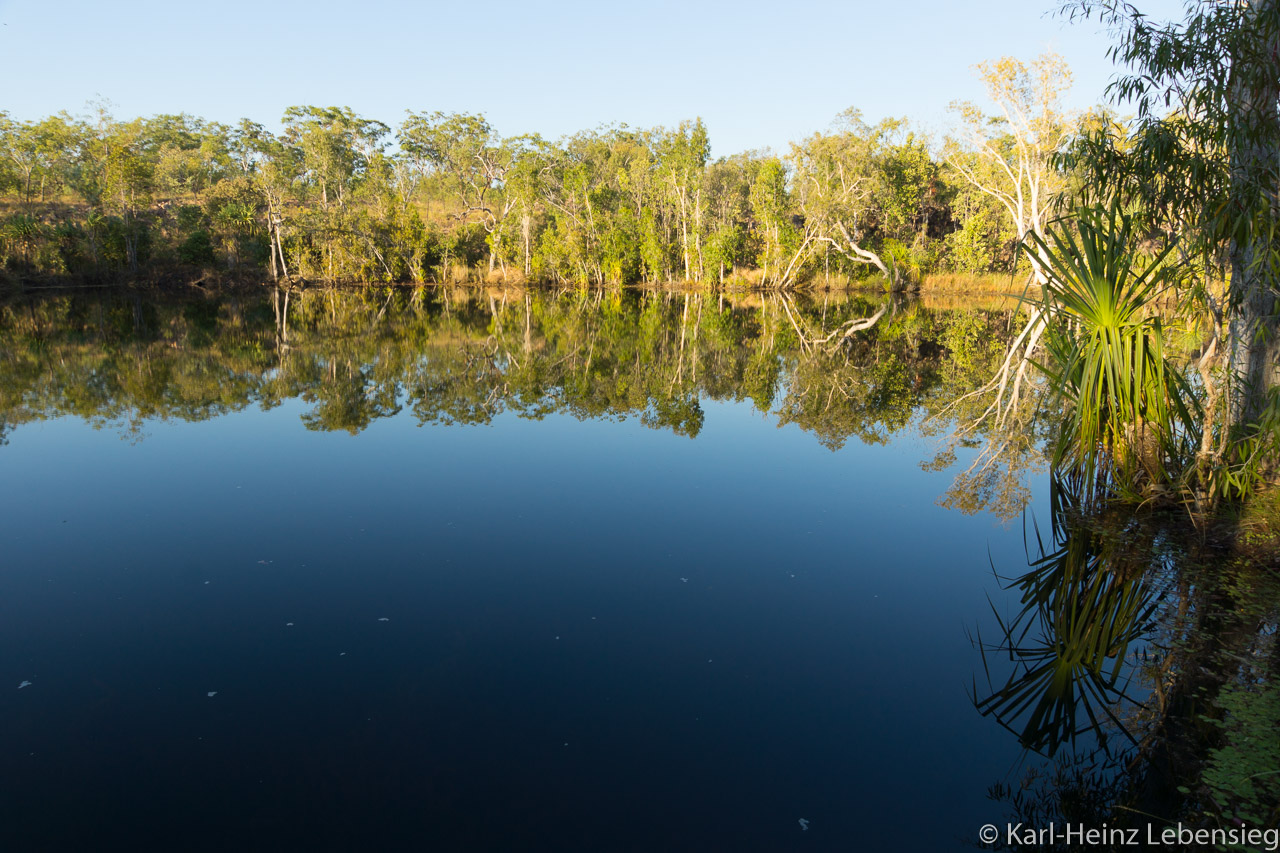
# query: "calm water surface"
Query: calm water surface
{"points": [[553, 616]]}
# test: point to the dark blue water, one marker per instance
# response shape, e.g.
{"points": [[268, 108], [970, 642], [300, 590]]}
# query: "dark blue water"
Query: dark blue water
{"points": [[597, 637], [556, 634]]}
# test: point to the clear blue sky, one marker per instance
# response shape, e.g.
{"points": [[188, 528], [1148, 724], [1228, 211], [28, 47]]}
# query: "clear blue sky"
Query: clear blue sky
{"points": [[760, 74]]}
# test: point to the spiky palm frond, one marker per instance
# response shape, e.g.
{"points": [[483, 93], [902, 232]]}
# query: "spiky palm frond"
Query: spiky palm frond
{"points": [[1127, 411]]}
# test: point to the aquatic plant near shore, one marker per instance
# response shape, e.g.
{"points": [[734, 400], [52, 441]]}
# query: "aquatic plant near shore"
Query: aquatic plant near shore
{"points": [[1129, 420]]}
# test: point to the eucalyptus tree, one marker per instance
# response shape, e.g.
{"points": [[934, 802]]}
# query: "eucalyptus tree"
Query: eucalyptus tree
{"points": [[266, 166], [593, 234], [8, 140], [574, 174], [1202, 156], [247, 145], [21, 155], [274, 164], [782, 246], [336, 145], [41, 155], [1009, 155], [839, 187], [334, 148], [465, 150], [681, 156], [189, 154], [126, 177], [908, 195], [728, 210], [523, 187]]}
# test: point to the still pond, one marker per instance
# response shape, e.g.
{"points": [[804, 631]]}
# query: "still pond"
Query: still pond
{"points": [[473, 571]]}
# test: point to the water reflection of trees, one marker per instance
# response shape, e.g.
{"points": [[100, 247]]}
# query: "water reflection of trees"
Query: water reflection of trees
{"points": [[1142, 663], [466, 356], [1087, 599]]}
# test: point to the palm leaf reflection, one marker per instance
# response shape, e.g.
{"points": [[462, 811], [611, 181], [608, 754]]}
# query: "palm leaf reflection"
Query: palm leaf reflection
{"points": [[1085, 600]]}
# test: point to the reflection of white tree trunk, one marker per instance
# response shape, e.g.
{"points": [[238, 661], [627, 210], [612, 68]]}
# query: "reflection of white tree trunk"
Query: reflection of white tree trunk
{"points": [[810, 341], [1010, 160]]}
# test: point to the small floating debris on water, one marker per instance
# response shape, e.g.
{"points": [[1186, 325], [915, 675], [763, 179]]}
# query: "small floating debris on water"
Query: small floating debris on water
{"points": [[557, 636], [684, 580], [288, 624], [212, 693], [383, 619], [206, 583], [342, 654], [804, 824], [24, 684], [265, 562]]}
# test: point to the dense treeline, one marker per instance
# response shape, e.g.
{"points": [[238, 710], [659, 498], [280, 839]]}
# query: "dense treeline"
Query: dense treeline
{"points": [[338, 197]]}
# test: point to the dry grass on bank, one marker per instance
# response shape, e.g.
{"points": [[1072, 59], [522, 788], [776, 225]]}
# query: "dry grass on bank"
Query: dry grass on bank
{"points": [[958, 283]]}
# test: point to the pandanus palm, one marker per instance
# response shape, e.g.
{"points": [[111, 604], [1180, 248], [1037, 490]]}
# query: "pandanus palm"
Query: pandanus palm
{"points": [[1128, 415]]}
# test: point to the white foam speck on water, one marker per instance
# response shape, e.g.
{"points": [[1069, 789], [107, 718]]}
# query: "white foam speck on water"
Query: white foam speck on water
{"points": [[212, 693], [383, 619], [804, 824], [684, 580], [342, 654], [288, 624], [24, 684]]}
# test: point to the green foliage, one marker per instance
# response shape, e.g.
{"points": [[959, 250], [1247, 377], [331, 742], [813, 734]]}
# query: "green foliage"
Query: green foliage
{"points": [[20, 237], [1128, 414], [983, 241], [613, 205], [189, 218], [970, 341], [1242, 777], [197, 249], [1198, 160], [1256, 447], [455, 356]]}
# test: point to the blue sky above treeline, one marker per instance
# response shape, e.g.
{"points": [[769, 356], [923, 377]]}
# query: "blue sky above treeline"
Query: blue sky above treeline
{"points": [[760, 74]]}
